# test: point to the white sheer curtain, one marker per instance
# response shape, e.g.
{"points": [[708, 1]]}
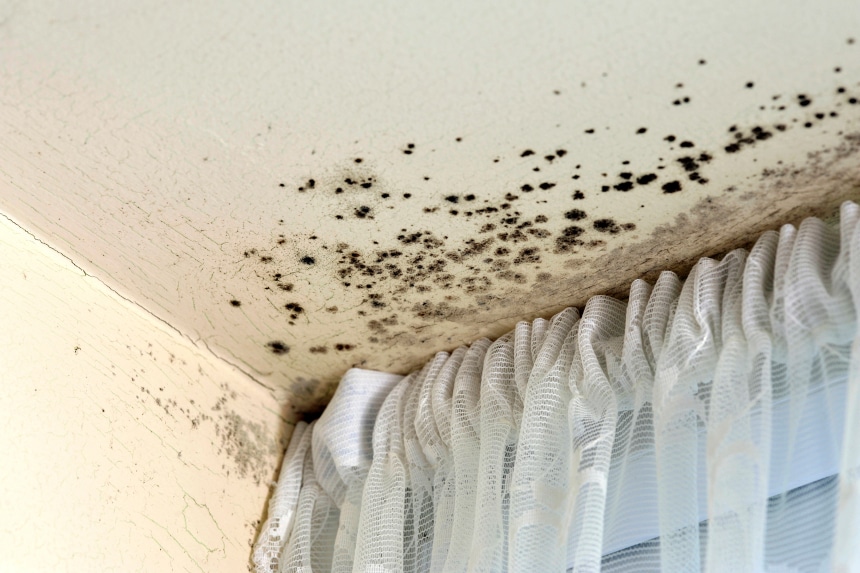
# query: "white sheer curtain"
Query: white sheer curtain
{"points": [[706, 424]]}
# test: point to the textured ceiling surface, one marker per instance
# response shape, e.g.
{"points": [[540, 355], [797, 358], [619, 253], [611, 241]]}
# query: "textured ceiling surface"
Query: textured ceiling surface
{"points": [[306, 187]]}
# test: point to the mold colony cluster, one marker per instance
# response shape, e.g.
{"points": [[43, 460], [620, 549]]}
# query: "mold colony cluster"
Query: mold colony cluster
{"points": [[514, 231], [245, 445]]}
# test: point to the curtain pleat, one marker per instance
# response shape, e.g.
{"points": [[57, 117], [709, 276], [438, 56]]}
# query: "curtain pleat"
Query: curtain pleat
{"points": [[710, 423]]}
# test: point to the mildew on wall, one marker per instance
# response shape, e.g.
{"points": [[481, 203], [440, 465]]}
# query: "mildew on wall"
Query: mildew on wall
{"points": [[141, 452], [305, 190]]}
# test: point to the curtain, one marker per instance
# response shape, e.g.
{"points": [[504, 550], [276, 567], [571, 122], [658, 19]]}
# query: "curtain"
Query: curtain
{"points": [[711, 423]]}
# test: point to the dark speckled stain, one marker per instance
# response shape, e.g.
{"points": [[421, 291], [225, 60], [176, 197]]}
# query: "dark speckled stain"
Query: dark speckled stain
{"points": [[363, 212], [568, 239], [611, 227], [509, 241], [277, 347], [672, 187], [249, 448], [308, 397]]}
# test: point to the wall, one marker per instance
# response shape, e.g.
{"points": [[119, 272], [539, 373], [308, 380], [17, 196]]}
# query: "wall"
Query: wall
{"points": [[202, 158], [209, 211], [125, 447]]}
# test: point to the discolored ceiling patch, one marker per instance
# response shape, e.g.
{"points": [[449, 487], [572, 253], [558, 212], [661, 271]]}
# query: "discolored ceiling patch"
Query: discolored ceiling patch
{"points": [[473, 263]]}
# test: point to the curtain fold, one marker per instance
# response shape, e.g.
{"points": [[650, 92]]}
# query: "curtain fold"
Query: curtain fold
{"points": [[705, 424]]}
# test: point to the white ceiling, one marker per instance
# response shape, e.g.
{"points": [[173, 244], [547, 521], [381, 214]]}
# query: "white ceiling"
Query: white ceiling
{"points": [[192, 154]]}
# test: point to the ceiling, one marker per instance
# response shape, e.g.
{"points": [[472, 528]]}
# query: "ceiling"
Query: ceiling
{"points": [[305, 187]]}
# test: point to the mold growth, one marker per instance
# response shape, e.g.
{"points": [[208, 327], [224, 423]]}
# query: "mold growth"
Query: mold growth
{"points": [[277, 347], [249, 448], [458, 253]]}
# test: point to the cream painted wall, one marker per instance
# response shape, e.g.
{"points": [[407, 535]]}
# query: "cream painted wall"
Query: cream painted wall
{"points": [[168, 148], [226, 256], [124, 447]]}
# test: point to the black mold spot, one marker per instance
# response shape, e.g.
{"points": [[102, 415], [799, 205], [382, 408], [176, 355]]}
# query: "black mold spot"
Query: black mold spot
{"points": [[645, 179], [565, 242], [308, 260], [575, 215], [578, 195], [672, 187], [526, 153], [545, 186], [318, 349], [340, 346], [452, 199], [528, 255], [688, 163], [607, 226], [295, 307], [235, 302], [762, 135], [277, 347], [641, 130]]}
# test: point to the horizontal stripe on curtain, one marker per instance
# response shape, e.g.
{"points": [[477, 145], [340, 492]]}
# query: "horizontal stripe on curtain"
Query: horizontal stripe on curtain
{"points": [[705, 424]]}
